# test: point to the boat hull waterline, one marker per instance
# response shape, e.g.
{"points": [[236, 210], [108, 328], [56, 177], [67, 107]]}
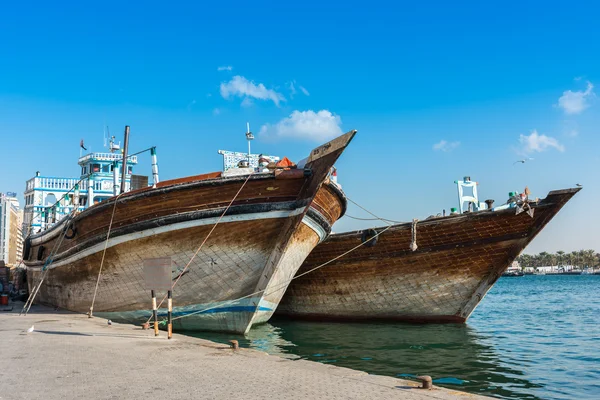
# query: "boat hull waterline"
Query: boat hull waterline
{"points": [[257, 246]]}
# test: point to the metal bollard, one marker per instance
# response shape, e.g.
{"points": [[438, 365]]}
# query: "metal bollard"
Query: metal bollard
{"points": [[154, 314], [426, 381]]}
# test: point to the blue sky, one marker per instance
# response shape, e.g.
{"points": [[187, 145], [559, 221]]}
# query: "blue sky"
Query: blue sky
{"points": [[437, 90]]}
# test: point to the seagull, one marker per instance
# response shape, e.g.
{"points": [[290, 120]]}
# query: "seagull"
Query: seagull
{"points": [[579, 184], [30, 329], [109, 322], [523, 161]]}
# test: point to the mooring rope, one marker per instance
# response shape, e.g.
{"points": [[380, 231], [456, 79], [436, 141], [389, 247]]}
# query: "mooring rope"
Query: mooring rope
{"points": [[91, 312], [47, 263], [369, 212], [204, 241], [374, 219], [283, 284]]}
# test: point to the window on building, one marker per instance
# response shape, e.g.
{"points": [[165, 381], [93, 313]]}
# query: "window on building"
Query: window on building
{"points": [[95, 168], [105, 168]]}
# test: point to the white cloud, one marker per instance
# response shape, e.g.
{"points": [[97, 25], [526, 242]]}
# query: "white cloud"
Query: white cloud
{"points": [[242, 87], [314, 126], [225, 68], [247, 102], [191, 104], [446, 146], [216, 111], [573, 133], [292, 89], [538, 143], [575, 102], [304, 91]]}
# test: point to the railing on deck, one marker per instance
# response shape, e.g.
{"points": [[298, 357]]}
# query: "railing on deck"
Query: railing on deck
{"points": [[107, 157]]}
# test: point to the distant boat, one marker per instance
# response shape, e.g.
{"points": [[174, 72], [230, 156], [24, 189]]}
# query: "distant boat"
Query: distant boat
{"points": [[587, 271], [513, 273], [458, 259]]}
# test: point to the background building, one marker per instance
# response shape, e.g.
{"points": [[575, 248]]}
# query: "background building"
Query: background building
{"points": [[11, 234]]}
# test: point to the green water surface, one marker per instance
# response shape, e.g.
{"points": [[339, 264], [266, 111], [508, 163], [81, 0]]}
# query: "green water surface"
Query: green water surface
{"points": [[531, 337]]}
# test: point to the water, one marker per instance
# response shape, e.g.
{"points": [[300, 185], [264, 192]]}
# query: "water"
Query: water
{"points": [[533, 337]]}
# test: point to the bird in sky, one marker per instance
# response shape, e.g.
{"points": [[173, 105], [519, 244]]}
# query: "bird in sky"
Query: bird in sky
{"points": [[523, 160], [579, 184], [30, 329]]}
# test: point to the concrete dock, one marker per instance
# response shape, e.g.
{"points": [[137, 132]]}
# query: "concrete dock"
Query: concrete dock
{"points": [[71, 356]]}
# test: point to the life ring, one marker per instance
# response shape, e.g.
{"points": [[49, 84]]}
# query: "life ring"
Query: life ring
{"points": [[73, 231], [369, 237], [40, 253]]}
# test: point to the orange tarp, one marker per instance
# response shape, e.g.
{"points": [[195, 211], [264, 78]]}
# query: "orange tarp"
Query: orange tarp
{"points": [[285, 163]]}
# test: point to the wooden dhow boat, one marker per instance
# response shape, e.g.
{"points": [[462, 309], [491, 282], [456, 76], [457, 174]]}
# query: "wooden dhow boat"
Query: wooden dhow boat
{"points": [[261, 236], [455, 262]]}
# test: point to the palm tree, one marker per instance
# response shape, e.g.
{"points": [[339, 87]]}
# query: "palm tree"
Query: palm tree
{"points": [[545, 258], [589, 258], [560, 255]]}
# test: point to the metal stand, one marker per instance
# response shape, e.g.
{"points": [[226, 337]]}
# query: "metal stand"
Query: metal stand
{"points": [[154, 313], [169, 315]]}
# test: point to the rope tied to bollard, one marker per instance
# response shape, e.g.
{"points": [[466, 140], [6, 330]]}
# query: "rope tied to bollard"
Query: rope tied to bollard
{"points": [[47, 263], [204, 241], [91, 312], [285, 283]]}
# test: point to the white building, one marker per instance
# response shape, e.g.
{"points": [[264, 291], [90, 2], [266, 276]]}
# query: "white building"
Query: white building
{"points": [[48, 198], [11, 234]]}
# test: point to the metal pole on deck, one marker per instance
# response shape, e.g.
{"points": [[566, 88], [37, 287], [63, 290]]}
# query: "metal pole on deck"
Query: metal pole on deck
{"points": [[154, 166], [169, 315], [154, 313], [124, 166]]}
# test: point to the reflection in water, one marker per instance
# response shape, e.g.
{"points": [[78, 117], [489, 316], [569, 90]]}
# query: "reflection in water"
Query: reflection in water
{"points": [[452, 354], [532, 337]]}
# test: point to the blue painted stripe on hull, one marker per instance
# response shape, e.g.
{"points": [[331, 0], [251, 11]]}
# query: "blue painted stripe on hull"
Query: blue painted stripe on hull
{"points": [[220, 310]]}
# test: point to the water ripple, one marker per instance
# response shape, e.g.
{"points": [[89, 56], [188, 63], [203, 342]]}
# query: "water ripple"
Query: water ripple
{"points": [[535, 337]]}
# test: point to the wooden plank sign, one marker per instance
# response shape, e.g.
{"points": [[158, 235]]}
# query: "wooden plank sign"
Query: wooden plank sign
{"points": [[157, 273]]}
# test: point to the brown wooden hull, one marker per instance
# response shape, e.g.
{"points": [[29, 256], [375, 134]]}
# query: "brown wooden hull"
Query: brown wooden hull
{"points": [[458, 259], [263, 238]]}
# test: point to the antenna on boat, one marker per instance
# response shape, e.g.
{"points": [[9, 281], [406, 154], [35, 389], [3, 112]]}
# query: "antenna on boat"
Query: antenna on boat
{"points": [[249, 137], [104, 134], [124, 164]]}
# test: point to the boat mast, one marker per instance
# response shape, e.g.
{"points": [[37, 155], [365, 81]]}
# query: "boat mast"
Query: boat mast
{"points": [[249, 137], [124, 165]]}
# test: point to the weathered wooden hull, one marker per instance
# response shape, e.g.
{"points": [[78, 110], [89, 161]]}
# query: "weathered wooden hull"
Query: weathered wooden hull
{"points": [[255, 249], [458, 259]]}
